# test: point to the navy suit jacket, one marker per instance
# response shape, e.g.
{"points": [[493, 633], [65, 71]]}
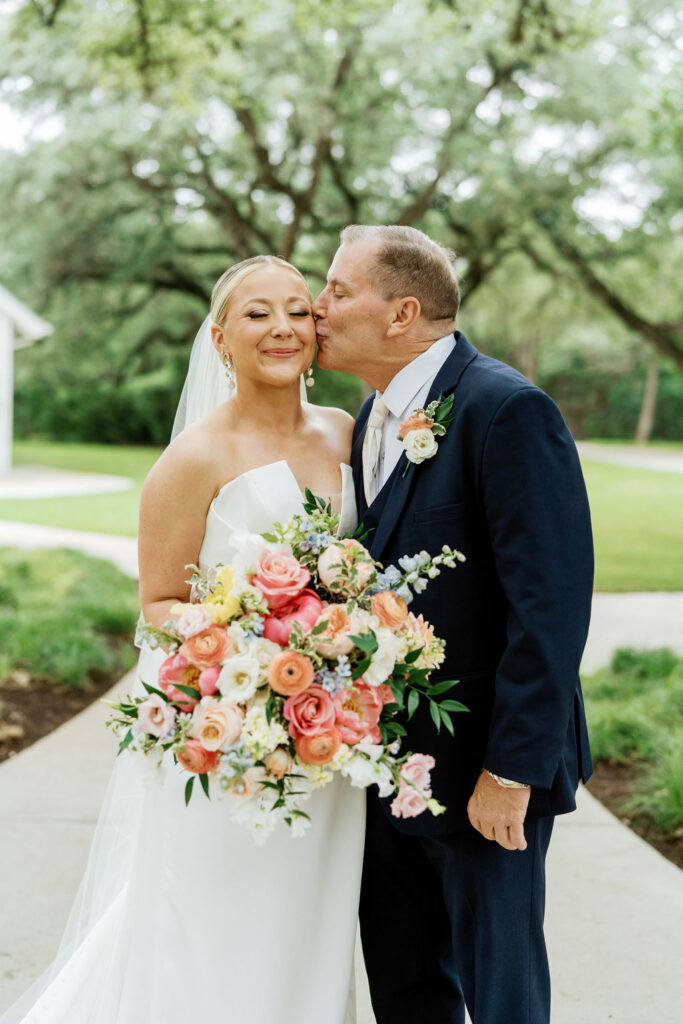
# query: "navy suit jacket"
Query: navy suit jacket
{"points": [[506, 489]]}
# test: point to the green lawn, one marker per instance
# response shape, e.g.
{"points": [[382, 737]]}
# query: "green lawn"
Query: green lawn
{"points": [[103, 513], [638, 527], [637, 517]]}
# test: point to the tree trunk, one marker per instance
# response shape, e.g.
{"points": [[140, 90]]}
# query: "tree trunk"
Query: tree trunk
{"points": [[649, 407]]}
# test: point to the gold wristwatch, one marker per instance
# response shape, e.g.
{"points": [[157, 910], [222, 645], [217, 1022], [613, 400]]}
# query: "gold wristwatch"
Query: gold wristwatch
{"points": [[507, 783]]}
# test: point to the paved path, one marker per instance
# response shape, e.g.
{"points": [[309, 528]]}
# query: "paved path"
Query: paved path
{"points": [[44, 482], [638, 457], [122, 551]]}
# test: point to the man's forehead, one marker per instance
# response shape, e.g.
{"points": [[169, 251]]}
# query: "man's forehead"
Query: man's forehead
{"points": [[350, 262]]}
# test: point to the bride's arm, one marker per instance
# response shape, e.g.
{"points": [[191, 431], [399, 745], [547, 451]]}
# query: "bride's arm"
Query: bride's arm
{"points": [[173, 507]]}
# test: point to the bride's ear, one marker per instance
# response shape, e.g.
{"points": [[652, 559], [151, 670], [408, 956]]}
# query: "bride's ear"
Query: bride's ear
{"points": [[217, 338]]}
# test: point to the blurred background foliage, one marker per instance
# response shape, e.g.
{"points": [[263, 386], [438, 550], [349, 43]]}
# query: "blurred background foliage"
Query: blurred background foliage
{"points": [[165, 139]]}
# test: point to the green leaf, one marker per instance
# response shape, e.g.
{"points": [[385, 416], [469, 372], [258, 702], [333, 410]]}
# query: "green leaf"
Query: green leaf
{"points": [[204, 779], [367, 642], [412, 656], [453, 705], [126, 741], [320, 628], [270, 537], [191, 691], [413, 701], [189, 786], [360, 668], [441, 687], [160, 693], [446, 719], [436, 717]]}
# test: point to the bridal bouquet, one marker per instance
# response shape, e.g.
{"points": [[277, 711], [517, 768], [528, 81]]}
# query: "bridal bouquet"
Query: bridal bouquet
{"points": [[289, 665]]}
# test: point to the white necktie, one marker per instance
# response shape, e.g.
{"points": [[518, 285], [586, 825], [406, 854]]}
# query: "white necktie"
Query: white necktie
{"points": [[372, 443]]}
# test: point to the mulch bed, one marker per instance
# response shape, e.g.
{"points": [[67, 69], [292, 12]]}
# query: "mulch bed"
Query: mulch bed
{"points": [[613, 784], [33, 708]]}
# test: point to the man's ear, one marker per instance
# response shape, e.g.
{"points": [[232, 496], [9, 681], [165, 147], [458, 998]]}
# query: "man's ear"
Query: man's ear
{"points": [[406, 312]]}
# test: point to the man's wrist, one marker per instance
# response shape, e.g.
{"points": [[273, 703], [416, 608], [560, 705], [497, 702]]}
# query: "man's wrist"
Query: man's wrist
{"points": [[507, 783]]}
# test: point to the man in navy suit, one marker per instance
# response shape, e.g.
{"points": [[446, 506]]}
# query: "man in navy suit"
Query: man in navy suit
{"points": [[452, 906]]}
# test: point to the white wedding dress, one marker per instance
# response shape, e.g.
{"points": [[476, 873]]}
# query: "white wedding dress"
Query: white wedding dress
{"points": [[180, 916]]}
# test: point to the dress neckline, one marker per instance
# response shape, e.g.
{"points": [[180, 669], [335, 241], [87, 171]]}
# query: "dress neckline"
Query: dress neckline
{"points": [[271, 465]]}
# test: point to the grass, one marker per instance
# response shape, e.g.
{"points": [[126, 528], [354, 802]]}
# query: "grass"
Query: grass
{"points": [[637, 526], [635, 716], [649, 446], [101, 513], [65, 617]]}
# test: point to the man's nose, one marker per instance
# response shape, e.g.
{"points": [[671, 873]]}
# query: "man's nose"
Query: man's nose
{"points": [[319, 307]]}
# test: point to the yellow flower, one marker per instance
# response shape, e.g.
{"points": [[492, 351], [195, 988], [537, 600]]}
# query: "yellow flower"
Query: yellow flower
{"points": [[222, 608], [225, 580]]}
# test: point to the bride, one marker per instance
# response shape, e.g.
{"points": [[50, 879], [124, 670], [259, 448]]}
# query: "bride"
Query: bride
{"points": [[180, 915]]}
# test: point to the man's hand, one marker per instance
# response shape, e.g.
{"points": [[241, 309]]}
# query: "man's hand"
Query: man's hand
{"points": [[499, 813]]}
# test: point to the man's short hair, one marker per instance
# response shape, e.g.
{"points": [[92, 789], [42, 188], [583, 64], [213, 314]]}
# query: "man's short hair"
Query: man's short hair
{"points": [[408, 262]]}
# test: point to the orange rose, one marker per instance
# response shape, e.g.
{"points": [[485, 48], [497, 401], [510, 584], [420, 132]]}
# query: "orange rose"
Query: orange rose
{"points": [[392, 611], [207, 648], [195, 758], [279, 762], [335, 639], [290, 673], [418, 421], [318, 749]]}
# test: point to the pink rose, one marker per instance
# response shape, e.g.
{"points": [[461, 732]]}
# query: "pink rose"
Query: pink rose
{"points": [[156, 716], [310, 712], [416, 770], [208, 681], [408, 804], [177, 669], [194, 758], [217, 724], [304, 609], [357, 713], [335, 640], [336, 563], [194, 619], [207, 648], [279, 578]]}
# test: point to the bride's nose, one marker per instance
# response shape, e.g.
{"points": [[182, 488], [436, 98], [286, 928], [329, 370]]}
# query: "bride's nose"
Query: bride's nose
{"points": [[282, 328]]}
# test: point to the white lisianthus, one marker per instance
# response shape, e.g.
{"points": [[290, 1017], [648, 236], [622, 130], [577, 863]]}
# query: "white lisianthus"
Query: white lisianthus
{"points": [[248, 549], [261, 650], [259, 736], [365, 621], [362, 773], [420, 445], [384, 658], [239, 678]]}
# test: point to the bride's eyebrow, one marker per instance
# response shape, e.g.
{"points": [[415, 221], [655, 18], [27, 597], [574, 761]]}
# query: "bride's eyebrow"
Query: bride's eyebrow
{"points": [[267, 302]]}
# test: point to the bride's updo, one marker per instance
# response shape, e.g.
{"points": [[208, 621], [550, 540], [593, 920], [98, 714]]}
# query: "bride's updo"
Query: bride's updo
{"points": [[228, 282]]}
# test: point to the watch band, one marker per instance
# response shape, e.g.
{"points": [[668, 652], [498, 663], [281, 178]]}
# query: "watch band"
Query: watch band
{"points": [[507, 783]]}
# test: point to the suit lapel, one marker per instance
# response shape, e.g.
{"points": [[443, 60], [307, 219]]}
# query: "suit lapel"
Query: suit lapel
{"points": [[400, 485]]}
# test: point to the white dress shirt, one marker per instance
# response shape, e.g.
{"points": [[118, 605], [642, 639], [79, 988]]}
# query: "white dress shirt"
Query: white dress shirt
{"points": [[406, 392]]}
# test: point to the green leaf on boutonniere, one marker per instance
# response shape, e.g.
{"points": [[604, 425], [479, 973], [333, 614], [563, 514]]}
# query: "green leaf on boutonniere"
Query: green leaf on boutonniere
{"points": [[439, 430], [444, 409]]}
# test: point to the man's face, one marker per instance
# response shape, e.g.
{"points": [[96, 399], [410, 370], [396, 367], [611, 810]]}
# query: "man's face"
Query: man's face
{"points": [[352, 318]]}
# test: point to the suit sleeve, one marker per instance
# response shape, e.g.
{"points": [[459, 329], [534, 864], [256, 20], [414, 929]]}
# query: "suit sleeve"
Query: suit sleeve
{"points": [[539, 524]]}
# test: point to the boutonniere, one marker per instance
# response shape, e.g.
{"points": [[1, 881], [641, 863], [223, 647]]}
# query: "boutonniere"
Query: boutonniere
{"points": [[420, 431]]}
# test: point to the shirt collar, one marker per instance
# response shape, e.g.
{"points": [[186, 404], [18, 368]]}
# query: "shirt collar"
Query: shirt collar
{"points": [[404, 387]]}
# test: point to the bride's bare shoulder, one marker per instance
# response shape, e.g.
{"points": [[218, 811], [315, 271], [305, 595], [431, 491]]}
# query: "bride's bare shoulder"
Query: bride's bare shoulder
{"points": [[335, 421], [190, 464]]}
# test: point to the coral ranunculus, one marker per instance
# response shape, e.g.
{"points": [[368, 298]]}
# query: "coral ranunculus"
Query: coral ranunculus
{"points": [[392, 611], [318, 749], [207, 648], [304, 609], [418, 421], [357, 713], [279, 578], [290, 672], [177, 669], [195, 758]]}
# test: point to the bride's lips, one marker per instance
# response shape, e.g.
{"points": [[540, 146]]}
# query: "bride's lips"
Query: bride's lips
{"points": [[281, 353]]}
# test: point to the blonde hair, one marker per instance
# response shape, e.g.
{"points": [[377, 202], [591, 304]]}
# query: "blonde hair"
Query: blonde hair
{"points": [[408, 262], [231, 278]]}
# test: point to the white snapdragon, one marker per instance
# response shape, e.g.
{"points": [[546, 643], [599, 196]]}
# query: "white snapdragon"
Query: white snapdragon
{"points": [[362, 770]]}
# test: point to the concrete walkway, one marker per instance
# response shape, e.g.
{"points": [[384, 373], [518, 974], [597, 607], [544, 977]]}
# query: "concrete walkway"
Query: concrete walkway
{"points": [[122, 551], [45, 482], [659, 460]]}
